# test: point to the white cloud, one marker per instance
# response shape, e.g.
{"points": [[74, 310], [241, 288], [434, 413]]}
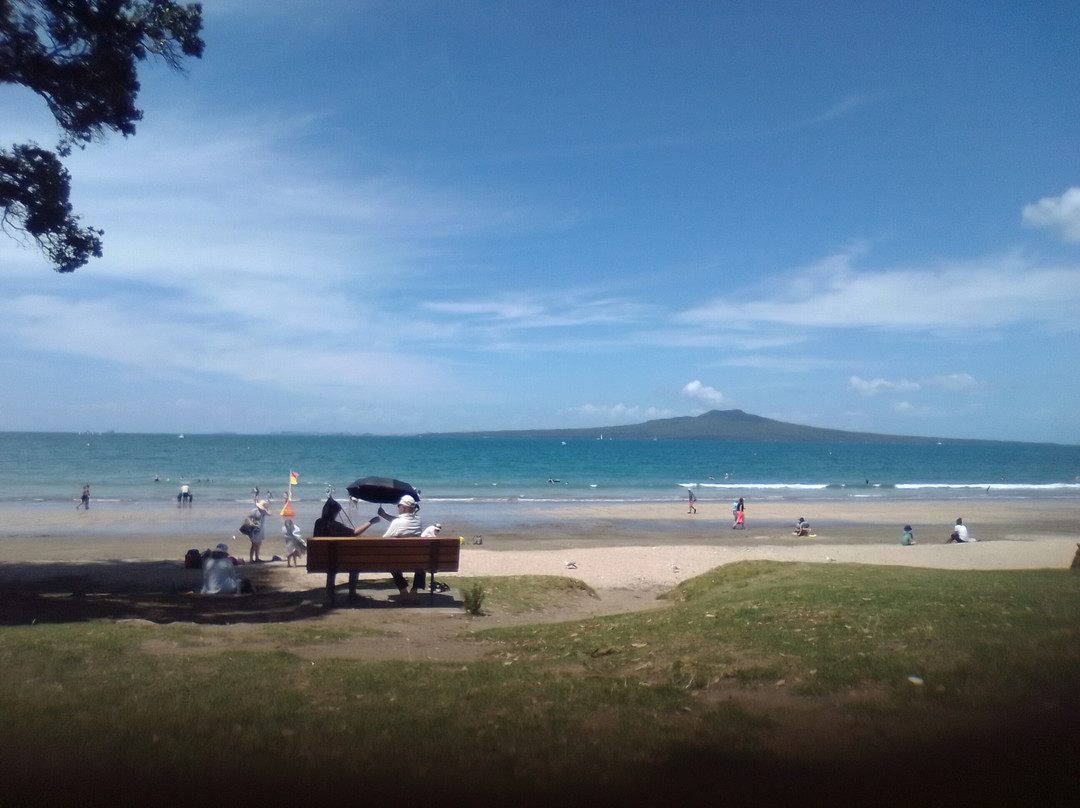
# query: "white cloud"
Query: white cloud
{"points": [[873, 387], [704, 393], [1058, 212]]}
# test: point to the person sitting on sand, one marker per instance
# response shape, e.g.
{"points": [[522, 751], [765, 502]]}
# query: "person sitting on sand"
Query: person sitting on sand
{"points": [[908, 538], [960, 534], [802, 527], [219, 573]]}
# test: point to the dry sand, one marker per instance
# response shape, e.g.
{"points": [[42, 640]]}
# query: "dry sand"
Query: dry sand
{"points": [[637, 547]]}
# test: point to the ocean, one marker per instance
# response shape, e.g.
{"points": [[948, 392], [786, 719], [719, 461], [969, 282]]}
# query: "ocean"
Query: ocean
{"points": [[485, 476]]}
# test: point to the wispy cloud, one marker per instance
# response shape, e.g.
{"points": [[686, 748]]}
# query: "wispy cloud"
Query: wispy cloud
{"points": [[613, 414], [948, 298], [840, 109], [953, 383], [873, 387]]}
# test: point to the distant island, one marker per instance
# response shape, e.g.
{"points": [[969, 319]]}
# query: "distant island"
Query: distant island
{"points": [[733, 425]]}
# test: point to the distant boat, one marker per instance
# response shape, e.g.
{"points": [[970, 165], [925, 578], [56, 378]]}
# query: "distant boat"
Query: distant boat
{"points": [[179, 436]]}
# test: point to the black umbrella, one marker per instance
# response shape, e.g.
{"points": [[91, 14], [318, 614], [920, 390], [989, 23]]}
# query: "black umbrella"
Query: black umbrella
{"points": [[381, 489]]}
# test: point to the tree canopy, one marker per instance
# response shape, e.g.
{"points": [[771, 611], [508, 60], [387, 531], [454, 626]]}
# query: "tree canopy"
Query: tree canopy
{"points": [[81, 57]]}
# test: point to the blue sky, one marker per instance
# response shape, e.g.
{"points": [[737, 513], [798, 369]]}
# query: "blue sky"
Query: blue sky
{"points": [[407, 216]]}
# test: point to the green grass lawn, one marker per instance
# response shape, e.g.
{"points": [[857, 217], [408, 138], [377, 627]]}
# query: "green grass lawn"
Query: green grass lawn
{"points": [[638, 706]]}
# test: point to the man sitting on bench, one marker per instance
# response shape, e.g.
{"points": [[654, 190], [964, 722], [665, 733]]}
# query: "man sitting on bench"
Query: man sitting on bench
{"points": [[406, 523]]}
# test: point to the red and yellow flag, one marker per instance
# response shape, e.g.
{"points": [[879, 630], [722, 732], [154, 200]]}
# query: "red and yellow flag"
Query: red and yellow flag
{"points": [[294, 478]]}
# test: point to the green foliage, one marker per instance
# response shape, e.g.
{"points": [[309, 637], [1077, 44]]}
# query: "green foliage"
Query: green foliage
{"points": [[472, 598], [34, 190], [82, 58], [518, 594]]}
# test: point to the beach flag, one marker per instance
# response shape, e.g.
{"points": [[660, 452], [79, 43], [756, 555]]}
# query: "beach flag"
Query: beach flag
{"points": [[288, 510], [293, 478]]}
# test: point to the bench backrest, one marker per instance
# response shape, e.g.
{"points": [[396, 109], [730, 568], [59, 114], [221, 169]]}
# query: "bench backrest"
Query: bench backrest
{"points": [[358, 554]]}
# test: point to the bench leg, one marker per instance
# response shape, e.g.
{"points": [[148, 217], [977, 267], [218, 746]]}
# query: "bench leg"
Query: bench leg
{"points": [[352, 585], [330, 587]]}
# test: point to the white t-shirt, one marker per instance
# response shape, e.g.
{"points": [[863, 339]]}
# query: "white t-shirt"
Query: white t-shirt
{"points": [[405, 524]]}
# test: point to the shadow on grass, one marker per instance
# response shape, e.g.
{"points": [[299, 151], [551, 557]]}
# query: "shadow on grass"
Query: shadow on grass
{"points": [[163, 592]]}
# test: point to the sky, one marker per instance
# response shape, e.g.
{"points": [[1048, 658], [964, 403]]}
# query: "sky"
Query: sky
{"points": [[409, 216]]}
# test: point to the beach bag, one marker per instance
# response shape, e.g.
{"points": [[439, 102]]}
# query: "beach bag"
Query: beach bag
{"points": [[249, 526]]}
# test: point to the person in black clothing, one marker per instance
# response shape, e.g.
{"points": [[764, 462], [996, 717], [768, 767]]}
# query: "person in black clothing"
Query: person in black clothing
{"points": [[335, 522]]}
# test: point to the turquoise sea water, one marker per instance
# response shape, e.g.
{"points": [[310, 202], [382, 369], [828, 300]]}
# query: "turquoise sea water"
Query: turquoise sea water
{"points": [[146, 470], [483, 484]]}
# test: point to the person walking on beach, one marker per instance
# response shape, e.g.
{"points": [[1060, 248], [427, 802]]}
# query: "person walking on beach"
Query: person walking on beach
{"points": [[184, 497], [739, 511], [84, 500], [691, 499], [258, 516]]}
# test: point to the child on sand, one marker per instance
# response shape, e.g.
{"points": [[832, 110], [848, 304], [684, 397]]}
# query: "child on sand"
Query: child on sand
{"points": [[908, 538], [295, 546]]}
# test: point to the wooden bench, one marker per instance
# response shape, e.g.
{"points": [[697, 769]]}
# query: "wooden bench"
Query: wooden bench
{"points": [[356, 554]]}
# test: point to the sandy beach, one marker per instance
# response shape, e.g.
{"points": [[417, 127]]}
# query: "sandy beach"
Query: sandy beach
{"points": [[609, 547]]}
